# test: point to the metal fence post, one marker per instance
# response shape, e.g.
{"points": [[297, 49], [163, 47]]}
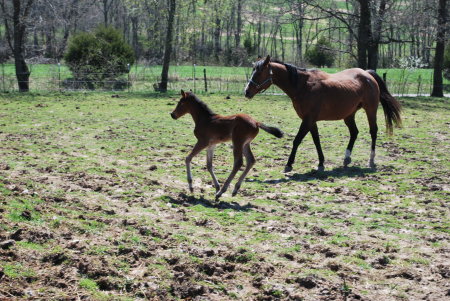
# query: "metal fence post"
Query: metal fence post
{"points": [[59, 77], [3, 77], [128, 82], [194, 78], [206, 82]]}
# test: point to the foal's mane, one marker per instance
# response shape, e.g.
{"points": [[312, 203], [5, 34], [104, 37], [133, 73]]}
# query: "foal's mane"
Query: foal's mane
{"points": [[203, 107]]}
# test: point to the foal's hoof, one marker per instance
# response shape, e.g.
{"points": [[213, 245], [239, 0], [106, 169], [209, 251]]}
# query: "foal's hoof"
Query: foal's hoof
{"points": [[287, 168], [218, 195], [320, 168], [191, 189]]}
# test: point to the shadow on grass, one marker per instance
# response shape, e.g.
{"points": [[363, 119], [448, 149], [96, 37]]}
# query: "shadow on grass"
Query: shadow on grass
{"points": [[189, 200], [339, 172]]}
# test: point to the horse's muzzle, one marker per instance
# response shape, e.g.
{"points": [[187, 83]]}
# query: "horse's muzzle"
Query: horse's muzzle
{"points": [[173, 115], [248, 94]]}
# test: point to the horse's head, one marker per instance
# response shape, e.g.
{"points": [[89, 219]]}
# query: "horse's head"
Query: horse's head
{"points": [[182, 107], [261, 78]]}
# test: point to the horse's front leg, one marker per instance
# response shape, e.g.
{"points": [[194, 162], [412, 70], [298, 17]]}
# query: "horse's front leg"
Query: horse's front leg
{"points": [[304, 129], [315, 135], [197, 148]]}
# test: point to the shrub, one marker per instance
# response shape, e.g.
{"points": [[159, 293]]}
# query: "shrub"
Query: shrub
{"points": [[321, 54], [98, 57]]}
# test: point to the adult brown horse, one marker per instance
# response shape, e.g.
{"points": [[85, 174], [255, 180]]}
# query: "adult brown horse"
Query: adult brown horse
{"points": [[317, 95]]}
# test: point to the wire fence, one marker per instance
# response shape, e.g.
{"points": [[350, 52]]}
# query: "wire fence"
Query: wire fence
{"points": [[199, 79]]}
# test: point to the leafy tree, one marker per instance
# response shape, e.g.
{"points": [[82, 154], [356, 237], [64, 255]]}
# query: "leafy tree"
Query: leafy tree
{"points": [[321, 54], [98, 56]]}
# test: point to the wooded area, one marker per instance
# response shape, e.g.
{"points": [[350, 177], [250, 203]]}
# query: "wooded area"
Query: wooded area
{"points": [[365, 33]]}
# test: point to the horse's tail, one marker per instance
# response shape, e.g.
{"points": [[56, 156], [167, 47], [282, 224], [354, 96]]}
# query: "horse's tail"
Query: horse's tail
{"points": [[271, 130], [391, 106]]}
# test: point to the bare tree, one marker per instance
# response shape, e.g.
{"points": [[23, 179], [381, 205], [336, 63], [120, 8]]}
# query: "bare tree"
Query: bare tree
{"points": [[168, 48], [438, 89], [18, 14]]}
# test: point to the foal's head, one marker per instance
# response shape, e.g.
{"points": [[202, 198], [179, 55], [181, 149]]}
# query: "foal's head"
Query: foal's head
{"points": [[183, 106], [189, 103], [261, 78]]}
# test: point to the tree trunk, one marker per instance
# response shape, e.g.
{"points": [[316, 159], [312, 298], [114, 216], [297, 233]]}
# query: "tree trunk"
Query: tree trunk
{"points": [[364, 33], [217, 38], [237, 35], [19, 17], [376, 37], [135, 35], [168, 48], [438, 88]]}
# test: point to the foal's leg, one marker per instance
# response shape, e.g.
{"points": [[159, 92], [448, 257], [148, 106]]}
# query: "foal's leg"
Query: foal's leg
{"points": [[237, 153], [250, 162], [197, 148], [315, 134], [209, 166], [351, 124], [372, 118], [304, 129]]}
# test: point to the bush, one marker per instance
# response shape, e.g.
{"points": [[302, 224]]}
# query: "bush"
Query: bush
{"points": [[98, 57], [321, 54]]}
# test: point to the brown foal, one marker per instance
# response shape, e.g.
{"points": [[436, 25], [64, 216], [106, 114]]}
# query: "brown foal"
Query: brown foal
{"points": [[211, 129], [317, 95]]}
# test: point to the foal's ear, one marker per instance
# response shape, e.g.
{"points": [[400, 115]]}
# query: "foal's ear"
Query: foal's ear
{"points": [[183, 94], [266, 61]]}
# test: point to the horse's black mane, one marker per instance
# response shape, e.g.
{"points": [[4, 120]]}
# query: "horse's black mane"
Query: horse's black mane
{"points": [[292, 70], [202, 105]]}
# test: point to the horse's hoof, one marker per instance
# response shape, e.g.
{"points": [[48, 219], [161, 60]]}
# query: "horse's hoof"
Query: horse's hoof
{"points": [[218, 195], [347, 161], [191, 189], [287, 168], [320, 168]]}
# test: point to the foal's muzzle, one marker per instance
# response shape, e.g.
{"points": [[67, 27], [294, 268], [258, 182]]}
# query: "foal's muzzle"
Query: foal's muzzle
{"points": [[173, 115]]}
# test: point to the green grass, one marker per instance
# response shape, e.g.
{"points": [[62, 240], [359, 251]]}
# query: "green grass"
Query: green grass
{"points": [[105, 183]]}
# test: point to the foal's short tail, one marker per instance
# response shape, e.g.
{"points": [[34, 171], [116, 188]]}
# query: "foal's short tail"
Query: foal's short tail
{"points": [[271, 130], [391, 106]]}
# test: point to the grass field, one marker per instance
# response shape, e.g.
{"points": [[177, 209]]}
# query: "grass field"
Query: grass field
{"points": [[45, 78], [94, 205]]}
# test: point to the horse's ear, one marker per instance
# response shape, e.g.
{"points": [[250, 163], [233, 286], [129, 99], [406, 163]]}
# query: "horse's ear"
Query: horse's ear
{"points": [[183, 94], [266, 61]]}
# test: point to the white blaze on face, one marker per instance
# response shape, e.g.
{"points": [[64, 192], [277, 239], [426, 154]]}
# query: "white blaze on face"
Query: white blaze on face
{"points": [[248, 83]]}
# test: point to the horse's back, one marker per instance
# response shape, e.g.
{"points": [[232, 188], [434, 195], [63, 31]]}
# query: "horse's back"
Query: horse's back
{"points": [[339, 95]]}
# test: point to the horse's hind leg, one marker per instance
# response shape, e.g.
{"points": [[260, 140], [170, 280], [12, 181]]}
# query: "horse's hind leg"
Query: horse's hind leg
{"points": [[250, 162], [316, 139], [372, 118], [237, 153], [209, 166], [353, 129]]}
